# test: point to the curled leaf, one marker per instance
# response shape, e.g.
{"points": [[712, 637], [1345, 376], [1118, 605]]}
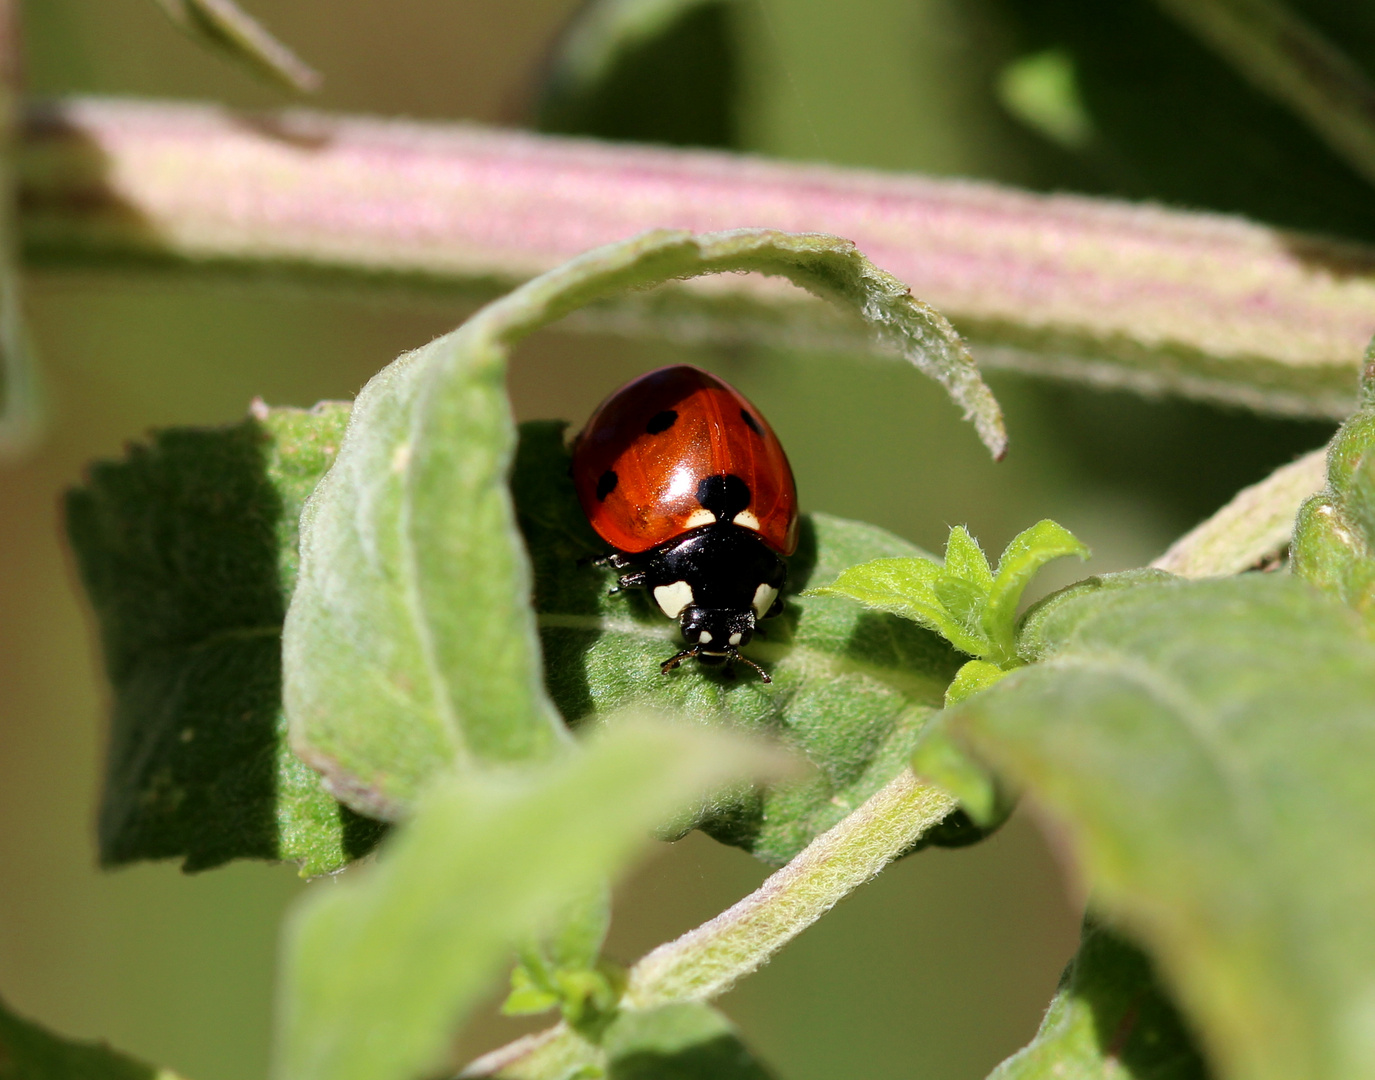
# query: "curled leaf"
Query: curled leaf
{"points": [[409, 644]]}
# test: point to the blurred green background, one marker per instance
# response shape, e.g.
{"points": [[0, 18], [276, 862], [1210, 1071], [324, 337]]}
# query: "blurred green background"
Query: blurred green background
{"points": [[942, 966]]}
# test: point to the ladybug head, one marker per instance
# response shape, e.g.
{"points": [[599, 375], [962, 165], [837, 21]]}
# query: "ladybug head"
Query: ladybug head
{"points": [[717, 632]]}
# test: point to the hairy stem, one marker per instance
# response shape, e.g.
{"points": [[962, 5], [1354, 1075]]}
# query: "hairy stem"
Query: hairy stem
{"points": [[706, 962], [1155, 300], [1254, 526]]}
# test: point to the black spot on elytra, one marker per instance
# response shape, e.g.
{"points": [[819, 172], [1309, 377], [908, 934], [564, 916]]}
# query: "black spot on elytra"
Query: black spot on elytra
{"points": [[661, 421], [606, 484], [749, 419], [725, 496]]}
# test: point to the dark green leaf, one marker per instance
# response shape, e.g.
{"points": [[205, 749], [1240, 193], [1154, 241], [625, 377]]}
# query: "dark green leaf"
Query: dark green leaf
{"points": [[409, 644], [28, 1052], [661, 71], [381, 968], [689, 1041], [1206, 747], [188, 552], [851, 691], [1110, 1020]]}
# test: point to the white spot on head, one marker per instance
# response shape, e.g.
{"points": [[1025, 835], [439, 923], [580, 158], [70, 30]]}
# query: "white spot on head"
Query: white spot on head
{"points": [[747, 519], [700, 516], [673, 598], [735, 639], [764, 596], [704, 637]]}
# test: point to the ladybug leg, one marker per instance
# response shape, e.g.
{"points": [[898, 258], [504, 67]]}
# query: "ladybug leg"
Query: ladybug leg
{"points": [[735, 655], [673, 661], [615, 560], [628, 581]]}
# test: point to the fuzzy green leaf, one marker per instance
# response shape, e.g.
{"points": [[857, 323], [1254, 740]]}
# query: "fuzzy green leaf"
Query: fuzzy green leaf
{"points": [[1023, 557], [29, 1052], [965, 559], [688, 1041], [963, 601], [1205, 748], [916, 589], [409, 644], [187, 549], [1109, 1021], [969, 680], [851, 689], [381, 968]]}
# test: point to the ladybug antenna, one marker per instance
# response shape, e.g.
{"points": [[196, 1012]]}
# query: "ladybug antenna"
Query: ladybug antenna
{"points": [[735, 655], [673, 661]]}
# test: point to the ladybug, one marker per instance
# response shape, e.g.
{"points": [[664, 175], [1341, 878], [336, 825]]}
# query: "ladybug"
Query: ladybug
{"points": [[684, 478]]}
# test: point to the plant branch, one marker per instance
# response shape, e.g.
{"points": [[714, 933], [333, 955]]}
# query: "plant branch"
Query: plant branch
{"points": [[20, 409], [1254, 526], [226, 27], [1155, 300], [706, 962], [1285, 57]]}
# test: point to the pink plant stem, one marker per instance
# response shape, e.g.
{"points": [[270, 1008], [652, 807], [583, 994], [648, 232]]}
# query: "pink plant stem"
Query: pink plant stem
{"points": [[1156, 299]]}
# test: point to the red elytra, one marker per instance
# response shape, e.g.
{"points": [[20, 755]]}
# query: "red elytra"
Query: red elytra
{"points": [[638, 463]]}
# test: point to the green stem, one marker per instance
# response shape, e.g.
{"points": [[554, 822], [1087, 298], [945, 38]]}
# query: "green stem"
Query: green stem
{"points": [[1204, 306], [706, 962], [1293, 62]]}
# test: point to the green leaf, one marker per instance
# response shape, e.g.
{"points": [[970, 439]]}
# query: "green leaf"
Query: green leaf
{"points": [[225, 27], [965, 559], [381, 968], [563, 968], [1204, 748], [187, 549], [29, 1052], [963, 601], [1109, 1020], [1027, 552], [969, 680], [916, 589], [851, 689], [409, 645], [688, 1041]]}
